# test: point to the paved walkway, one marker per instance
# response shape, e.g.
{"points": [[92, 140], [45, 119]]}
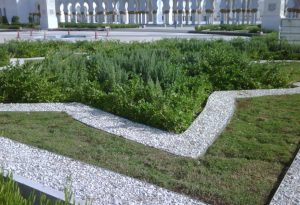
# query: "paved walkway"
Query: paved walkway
{"points": [[123, 36]]}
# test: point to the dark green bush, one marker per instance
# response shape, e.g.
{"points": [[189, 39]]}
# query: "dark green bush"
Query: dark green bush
{"points": [[15, 20], [4, 57], [230, 27], [4, 20], [30, 19], [24, 84]]}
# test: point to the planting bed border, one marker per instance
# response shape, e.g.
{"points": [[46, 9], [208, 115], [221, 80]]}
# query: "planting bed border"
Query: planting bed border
{"points": [[193, 142], [108, 187], [91, 183]]}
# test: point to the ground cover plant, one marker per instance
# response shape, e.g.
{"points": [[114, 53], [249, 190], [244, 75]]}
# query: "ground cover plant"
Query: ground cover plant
{"points": [[164, 84], [10, 194], [244, 166]]}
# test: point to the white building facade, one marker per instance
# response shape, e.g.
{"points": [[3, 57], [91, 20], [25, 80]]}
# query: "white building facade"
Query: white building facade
{"points": [[143, 11]]}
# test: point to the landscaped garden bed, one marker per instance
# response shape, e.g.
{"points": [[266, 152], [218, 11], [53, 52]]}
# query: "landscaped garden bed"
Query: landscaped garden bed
{"points": [[164, 84], [244, 166], [230, 27]]}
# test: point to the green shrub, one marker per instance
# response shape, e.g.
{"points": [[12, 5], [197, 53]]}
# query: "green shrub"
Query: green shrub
{"points": [[229, 27], [30, 19], [4, 20], [23, 84], [15, 20], [4, 57], [164, 84]]}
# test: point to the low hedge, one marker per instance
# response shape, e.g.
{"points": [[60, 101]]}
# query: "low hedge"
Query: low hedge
{"points": [[18, 26], [230, 27]]}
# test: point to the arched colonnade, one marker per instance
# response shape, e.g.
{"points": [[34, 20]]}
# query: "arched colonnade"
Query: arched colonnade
{"points": [[157, 11]]}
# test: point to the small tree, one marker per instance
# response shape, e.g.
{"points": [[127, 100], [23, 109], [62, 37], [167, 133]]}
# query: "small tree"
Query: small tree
{"points": [[30, 19], [15, 20], [4, 20]]}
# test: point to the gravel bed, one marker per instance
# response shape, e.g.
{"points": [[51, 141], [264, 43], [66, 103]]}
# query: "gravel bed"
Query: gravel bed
{"points": [[193, 142], [89, 182], [289, 190]]}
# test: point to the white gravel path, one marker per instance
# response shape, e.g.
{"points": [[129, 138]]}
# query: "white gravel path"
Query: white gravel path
{"points": [[192, 143], [99, 185], [288, 191], [106, 187]]}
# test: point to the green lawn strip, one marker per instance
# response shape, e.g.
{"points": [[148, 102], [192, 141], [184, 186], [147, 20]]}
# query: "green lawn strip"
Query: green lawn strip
{"points": [[293, 69], [243, 166]]}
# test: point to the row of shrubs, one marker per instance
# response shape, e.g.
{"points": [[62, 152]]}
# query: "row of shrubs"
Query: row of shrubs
{"points": [[230, 27], [14, 20], [164, 84], [15, 23], [96, 25]]}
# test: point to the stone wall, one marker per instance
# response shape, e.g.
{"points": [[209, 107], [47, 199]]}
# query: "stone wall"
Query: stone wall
{"points": [[290, 30]]}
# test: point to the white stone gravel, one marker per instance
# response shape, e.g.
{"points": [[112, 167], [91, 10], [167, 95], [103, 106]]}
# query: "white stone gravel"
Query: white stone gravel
{"points": [[88, 182], [107, 187], [192, 143], [288, 191]]}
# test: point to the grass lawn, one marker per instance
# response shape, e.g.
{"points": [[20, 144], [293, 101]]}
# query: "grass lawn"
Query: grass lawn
{"points": [[244, 166], [293, 69]]}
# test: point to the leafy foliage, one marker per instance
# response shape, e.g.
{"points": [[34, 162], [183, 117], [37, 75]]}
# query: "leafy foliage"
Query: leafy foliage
{"points": [[230, 27], [163, 84], [15, 20]]}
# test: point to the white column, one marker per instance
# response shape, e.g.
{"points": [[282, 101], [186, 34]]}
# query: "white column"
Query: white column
{"points": [[253, 8], [154, 11], [199, 11], [100, 11], [57, 8], [222, 11], [209, 9], [237, 8], [180, 12], [194, 7], [66, 12], [91, 15], [122, 10], [187, 12], [131, 11], [166, 11], [143, 12]]}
